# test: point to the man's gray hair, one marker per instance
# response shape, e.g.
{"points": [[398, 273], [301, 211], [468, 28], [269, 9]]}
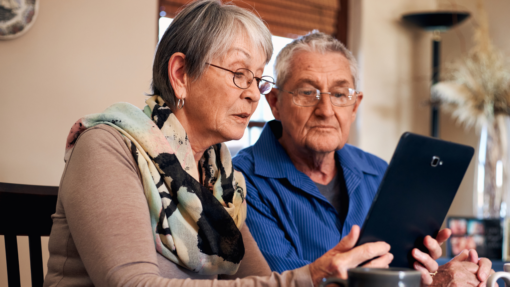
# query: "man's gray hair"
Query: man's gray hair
{"points": [[201, 31], [314, 41]]}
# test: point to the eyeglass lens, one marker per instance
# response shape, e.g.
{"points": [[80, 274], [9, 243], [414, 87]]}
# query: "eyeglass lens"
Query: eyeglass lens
{"points": [[265, 85], [243, 78], [339, 97]]}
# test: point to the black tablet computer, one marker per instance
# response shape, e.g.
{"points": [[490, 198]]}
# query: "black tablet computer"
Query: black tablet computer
{"points": [[415, 194]]}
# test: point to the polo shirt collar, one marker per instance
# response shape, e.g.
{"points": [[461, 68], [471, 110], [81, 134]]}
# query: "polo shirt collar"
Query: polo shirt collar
{"points": [[356, 164], [271, 159]]}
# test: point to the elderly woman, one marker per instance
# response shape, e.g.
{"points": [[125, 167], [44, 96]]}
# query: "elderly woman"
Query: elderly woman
{"points": [[150, 197]]}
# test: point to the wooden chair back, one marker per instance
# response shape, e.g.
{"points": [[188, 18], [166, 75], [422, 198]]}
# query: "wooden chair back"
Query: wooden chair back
{"points": [[26, 210]]}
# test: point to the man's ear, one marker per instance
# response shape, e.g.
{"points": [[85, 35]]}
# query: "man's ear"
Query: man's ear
{"points": [[272, 100], [356, 106], [176, 75]]}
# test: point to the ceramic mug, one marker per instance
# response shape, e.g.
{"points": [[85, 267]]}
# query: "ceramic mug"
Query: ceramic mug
{"points": [[500, 275], [377, 277]]}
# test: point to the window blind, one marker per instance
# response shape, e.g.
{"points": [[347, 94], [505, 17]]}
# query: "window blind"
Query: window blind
{"points": [[286, 18]]}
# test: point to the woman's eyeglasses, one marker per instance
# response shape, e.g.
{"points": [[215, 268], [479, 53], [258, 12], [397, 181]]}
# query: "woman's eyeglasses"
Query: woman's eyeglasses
{"points": [[244, 77]]}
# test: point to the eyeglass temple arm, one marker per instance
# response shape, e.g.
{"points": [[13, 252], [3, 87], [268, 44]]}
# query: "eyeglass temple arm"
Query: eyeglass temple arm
{"points": [[221, 68]]}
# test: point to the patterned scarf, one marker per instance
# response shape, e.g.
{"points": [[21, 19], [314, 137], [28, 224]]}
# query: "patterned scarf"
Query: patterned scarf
{"points": [[195, 213]]}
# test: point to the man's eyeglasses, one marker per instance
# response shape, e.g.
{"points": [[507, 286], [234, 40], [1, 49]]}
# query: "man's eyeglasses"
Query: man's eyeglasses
{"points": [[244, 77], [308, 97]]}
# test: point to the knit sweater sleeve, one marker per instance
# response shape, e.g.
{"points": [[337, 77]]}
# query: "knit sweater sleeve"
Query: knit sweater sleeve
{"points": [[108, 219]]}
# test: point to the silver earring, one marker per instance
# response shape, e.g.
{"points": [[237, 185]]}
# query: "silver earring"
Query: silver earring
{"points": [[180, 104]]}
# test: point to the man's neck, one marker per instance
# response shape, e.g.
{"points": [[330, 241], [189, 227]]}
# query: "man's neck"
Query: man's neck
{"points": [[320, 167]]}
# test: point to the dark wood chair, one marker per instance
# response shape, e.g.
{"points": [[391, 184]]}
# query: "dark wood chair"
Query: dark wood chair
{"points": [[26, 210]]}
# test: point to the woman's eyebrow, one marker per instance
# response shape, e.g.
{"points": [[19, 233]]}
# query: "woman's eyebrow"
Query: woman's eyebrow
{"points": [[240, 50]]}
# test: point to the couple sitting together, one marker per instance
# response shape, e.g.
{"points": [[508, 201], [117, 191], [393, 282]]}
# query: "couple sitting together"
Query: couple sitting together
{"points": [[152, 197]]}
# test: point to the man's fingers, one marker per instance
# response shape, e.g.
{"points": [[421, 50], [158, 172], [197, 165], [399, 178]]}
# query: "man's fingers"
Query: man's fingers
{"points": [[425, 260], [443, 235], [348, 242], [473, 256], [471, 267], [426, 279], [381, 262], [485, 267], [433, 247], [367, 251], [462, 256]]}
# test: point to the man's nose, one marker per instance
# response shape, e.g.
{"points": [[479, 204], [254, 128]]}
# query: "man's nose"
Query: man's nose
{"points": [[324, 107]]}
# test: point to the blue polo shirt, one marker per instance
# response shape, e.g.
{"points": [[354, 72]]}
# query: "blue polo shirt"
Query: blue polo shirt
{"points": [[292, 222]]}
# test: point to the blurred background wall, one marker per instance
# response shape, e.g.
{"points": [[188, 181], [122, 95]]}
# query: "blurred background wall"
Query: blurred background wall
{"points": [[395, 61], [78, 58], [82, 56]]}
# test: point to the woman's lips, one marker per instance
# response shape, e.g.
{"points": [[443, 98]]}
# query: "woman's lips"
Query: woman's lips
{"points": [[242, 117]]}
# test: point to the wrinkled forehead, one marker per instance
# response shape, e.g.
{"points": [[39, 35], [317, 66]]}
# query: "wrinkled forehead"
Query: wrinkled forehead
{"points": [[310, 66], [242, 45]]}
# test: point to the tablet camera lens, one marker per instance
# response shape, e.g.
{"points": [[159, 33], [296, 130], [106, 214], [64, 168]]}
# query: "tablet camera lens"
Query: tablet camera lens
{"points": [[435, 161]]}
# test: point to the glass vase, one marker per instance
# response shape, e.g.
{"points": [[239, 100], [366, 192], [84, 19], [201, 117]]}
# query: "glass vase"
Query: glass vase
{"points": [[492, 180]]}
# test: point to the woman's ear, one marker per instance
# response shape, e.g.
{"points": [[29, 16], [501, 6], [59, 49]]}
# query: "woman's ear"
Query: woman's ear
{"points": [[176, 74]]}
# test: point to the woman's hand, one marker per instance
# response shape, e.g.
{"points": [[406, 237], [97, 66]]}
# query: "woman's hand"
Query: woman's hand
{"points": [[426, 263], [336, 261]]}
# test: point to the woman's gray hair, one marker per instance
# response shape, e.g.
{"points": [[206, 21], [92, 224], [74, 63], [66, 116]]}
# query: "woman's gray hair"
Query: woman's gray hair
{"points": [[314, 41], [201, 31]]}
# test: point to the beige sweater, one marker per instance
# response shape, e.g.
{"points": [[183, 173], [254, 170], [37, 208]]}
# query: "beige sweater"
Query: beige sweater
{"points": [[102, 236]]}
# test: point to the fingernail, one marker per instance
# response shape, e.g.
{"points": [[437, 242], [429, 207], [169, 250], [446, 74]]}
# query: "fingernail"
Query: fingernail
{"points": [[418, 253], [483, 276]]}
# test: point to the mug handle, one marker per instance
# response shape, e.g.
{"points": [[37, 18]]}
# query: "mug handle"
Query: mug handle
{"points": [[494, 277], [340, 282]]}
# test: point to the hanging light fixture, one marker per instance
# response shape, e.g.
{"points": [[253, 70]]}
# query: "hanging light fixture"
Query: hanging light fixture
{"points": [[435, 22]]}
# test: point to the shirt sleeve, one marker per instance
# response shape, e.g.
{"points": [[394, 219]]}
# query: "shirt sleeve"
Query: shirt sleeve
{"points": [[109, 222], [279, 252]]}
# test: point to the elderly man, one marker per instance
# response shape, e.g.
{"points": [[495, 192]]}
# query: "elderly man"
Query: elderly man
{"points": [[307, 188]]}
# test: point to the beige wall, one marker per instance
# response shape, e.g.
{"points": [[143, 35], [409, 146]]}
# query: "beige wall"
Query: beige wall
{"points": [[395, 72], [78, 58]]}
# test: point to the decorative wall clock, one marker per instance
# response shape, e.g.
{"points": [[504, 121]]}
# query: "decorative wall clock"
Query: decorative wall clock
{"points": [[16, 17]]}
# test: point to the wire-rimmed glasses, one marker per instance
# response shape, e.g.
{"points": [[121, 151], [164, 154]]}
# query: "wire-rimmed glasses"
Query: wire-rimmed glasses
{"points": [[308, 97], [244, 77]]}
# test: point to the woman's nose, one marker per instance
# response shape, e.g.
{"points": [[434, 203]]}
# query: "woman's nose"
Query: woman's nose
{"points": [[252, 93]]}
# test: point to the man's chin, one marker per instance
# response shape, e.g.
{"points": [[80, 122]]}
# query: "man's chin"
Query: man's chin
{"points": [[322, 147], [324, 144]]}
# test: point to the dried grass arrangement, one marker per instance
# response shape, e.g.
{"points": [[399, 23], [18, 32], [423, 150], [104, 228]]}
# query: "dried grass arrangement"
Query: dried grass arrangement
{"points": [[476, 91], [477, 88]]}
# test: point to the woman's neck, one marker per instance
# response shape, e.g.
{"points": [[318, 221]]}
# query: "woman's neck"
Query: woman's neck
{"points": [[198, 140]]}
